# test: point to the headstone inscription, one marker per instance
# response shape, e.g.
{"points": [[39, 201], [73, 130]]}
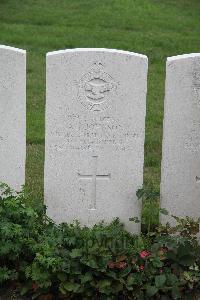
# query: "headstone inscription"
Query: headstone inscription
{"points": [[95, 126], [180, 182], [12, 116]]}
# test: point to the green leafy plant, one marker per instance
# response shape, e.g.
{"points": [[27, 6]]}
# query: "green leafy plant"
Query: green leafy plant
{"points": [[151, 208], [42, 260]]}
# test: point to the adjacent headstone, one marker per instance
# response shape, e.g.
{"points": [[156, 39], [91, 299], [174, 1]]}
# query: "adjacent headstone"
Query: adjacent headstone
{"points": [[95, 127], [12, 116], [180, 182]]}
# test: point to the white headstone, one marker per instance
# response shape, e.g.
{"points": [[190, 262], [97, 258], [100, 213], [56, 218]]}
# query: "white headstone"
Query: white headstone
{"points": [[12, 116], [180, 182], [95, 126]]}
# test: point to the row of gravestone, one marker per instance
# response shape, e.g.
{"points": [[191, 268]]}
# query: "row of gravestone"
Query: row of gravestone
{"points": [[95, 129]]}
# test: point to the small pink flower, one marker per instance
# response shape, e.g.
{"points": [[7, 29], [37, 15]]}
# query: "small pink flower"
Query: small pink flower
{"points": [[142, 267], [121, 265], [111, 265], [144, 254], [34, 286]]}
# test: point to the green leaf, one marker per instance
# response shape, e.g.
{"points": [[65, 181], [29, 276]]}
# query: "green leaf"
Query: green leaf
{"points": [[71, 286], [134, 219], [176, 293], [86, 277], [103, 285], [25, 289], [91, 263], [171, 279], [151, 290], [160, 280], [139, 193], [187, 260], [157, 263], [164, 211], [76, 253], [184, 250], [131, 279], [125, 272]]}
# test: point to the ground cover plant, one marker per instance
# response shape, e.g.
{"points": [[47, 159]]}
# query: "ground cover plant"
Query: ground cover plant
{"points": [[42, 260], [155, 28]]}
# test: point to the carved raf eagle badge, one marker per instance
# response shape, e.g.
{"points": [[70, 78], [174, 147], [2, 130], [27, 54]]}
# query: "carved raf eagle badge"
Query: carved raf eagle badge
{"points": [[96, 88]]}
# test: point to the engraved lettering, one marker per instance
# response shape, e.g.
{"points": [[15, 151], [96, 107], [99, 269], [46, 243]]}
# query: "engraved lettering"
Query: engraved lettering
{"points": [[197, 179]]}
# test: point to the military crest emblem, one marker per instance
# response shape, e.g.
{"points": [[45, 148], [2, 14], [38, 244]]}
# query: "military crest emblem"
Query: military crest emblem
{"points": [[96, 88]]}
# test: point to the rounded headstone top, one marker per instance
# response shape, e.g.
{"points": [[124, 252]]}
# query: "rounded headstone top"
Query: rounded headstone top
{"points": [[13, 49], [97, 50], [183, 56]]}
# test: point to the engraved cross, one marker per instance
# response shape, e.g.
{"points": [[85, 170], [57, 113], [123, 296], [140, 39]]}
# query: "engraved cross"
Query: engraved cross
{"points": [[94, 177]]}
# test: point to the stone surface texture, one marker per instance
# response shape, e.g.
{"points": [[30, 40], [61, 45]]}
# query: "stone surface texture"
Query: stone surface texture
{"points": [[12, 116], [95, 127], [180, 182]]}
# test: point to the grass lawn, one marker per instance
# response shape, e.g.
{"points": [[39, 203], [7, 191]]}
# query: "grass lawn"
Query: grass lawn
{"points": [[157, 28]]}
